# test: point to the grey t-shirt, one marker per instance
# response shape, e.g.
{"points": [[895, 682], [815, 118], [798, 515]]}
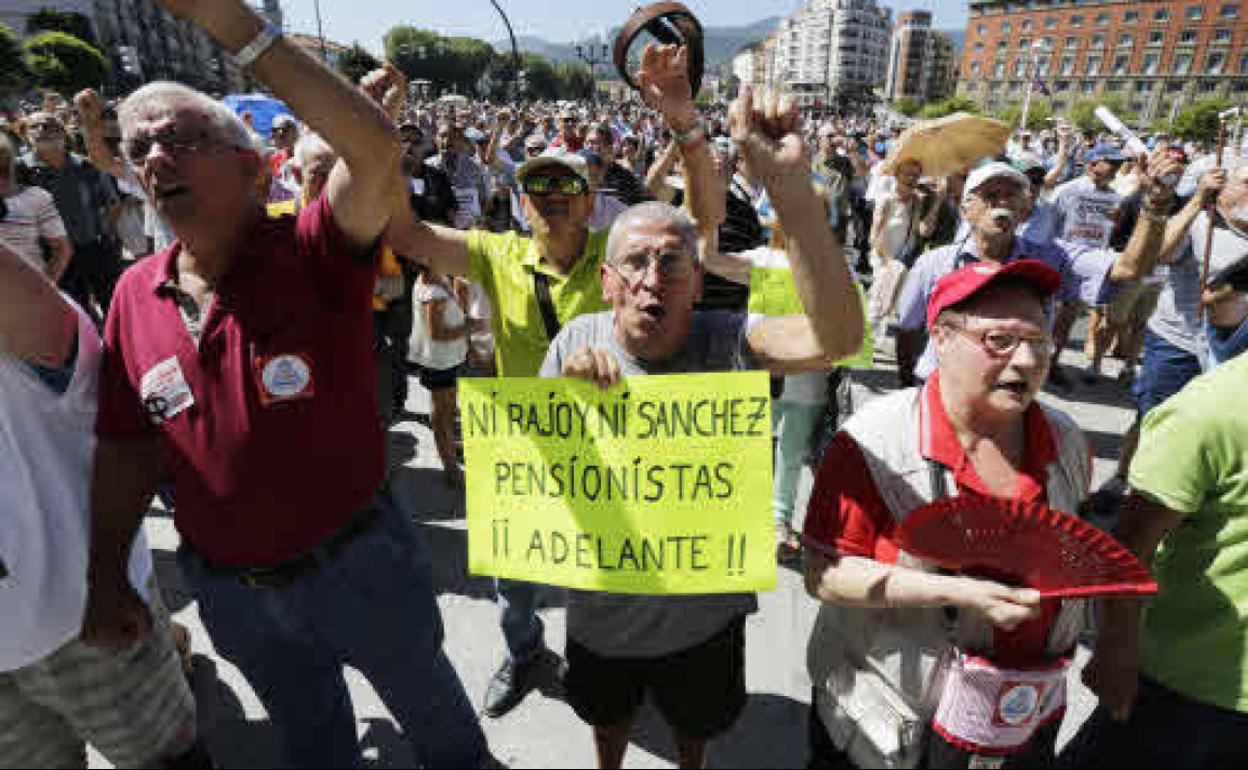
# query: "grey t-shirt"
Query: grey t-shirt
{"points": [[1174, 320], [631, 625]]}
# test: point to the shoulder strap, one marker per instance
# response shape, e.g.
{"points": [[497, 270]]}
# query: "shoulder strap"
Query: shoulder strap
{"points": [[541, 285]]}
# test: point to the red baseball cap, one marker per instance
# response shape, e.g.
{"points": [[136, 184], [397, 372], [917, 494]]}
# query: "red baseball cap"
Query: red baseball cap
{"points": [[963, 284]]}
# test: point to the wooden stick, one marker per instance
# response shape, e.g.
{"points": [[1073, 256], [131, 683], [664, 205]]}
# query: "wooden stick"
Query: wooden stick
{"points": [[1210, 210]]}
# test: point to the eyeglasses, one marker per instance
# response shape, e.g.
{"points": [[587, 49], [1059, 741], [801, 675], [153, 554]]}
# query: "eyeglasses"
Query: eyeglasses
{"points": [[555, 185], [535, 149], [673, 267], [136, 150], [1000, 343]]}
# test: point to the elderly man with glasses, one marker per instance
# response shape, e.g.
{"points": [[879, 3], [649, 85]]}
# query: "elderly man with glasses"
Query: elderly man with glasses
{"points": [[240, 362], [535, 285], [688, 651]]}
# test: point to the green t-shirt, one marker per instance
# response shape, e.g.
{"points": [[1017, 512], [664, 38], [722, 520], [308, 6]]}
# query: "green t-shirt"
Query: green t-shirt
{"points": [[504, 265], [1193, 458]]}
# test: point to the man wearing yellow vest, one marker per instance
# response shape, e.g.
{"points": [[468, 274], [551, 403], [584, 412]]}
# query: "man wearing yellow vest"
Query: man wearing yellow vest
{"points": [[536, 285]]}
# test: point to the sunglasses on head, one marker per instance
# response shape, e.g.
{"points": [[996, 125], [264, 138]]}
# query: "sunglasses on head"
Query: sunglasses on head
{"points": [[555, 185]]}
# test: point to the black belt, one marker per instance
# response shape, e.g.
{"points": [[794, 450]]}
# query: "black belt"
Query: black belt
{"points": [[286, 572]]}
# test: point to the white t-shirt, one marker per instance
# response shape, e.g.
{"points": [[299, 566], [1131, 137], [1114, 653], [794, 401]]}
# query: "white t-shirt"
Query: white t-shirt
{"points": [[811, 387], [32, 215], [425, 350], [1085, 215], [47, 447]]}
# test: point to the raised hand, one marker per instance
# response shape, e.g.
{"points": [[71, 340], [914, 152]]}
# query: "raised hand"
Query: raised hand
{"points": [[388, 87], [664, 84], [765, 131], [90, 106]]}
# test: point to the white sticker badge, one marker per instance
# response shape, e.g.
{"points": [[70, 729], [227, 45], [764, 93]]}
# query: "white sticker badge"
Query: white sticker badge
{"points": [[164, 391]]}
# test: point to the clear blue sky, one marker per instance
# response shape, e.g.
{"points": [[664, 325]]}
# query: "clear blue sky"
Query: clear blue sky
{"points": [[555, 20]]}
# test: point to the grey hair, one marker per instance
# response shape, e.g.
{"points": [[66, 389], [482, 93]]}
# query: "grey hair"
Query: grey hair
{"points": [[165, 98], [651, 211], [309, 144]]}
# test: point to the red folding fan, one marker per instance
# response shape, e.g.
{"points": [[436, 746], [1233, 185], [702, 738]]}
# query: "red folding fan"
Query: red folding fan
{"points": [[1025, 544]]}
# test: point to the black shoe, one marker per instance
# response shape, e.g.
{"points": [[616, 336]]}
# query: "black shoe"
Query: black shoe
{"points": [[512, 682]]}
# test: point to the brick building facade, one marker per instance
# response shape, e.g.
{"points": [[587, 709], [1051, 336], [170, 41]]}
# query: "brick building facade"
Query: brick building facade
{"points": [[1156, 55]]}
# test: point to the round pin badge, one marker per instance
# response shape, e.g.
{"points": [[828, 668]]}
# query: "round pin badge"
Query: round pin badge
{"points": [[286, 376], [1018, 704]]}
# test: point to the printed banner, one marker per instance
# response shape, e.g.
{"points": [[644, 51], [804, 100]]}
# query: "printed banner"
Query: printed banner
{"points": [[661, 485]]}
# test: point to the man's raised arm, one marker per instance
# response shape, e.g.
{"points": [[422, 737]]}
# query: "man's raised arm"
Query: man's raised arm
{"points": [[832, 328], [361, 184]]}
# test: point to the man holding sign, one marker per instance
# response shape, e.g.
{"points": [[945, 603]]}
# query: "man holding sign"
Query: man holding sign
{"points": [[536, 285], [689, 649]]}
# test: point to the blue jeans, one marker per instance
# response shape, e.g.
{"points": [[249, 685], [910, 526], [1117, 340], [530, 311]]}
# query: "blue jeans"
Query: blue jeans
{"points": [[522, 628], [1164, 371], [793, 425], [1166, 729], [372, 606]]}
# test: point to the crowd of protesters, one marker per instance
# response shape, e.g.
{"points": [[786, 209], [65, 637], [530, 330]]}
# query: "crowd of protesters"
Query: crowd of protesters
{"points": [[229, 322]]}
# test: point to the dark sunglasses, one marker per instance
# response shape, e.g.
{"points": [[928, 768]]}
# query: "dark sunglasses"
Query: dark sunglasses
{"points": [[555, 185]]}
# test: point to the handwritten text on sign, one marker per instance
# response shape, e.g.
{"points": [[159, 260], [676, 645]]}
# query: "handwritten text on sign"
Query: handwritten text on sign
{"points": [[660, 485]]}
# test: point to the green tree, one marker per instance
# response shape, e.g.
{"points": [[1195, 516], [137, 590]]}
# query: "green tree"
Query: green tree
{"points": [[1038, 114], [541, 80], [14, 77], [908, 106], [65, 63], [1081, 113], [52, 20], [575, 82], [948, 107], [1199, 120], [356, 63]]}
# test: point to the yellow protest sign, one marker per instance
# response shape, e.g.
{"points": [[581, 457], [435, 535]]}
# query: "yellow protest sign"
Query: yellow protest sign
{"points": [[661, 485], [773, 292]]}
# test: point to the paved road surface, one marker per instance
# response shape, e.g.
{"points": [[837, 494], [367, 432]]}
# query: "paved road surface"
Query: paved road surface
{"points": [[544, 732]]}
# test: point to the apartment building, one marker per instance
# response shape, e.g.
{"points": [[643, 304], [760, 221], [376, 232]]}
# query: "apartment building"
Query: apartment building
{"points": [[920, 60], [831, 51], [1156, 55]]}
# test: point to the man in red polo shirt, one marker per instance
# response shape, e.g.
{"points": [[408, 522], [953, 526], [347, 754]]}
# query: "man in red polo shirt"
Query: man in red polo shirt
{"points": [[240, 361], [891, 625]]}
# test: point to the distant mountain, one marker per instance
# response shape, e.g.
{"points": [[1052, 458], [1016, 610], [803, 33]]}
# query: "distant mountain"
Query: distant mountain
{"points": [[721, 43]]}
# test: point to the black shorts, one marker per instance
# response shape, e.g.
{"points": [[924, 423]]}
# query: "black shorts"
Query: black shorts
{"points": [[438, 379], [700, 690]]}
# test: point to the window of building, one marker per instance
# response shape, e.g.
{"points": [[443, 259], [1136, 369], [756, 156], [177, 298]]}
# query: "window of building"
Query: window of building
{"points": [[1020, 66], [1015, 87], [972, 87], [999, 70], [1229, 12], [1102, 19], [1042, 65], [1071, 42], [1120, 64], [1050, 22], [981, 29], [1130, 17], [1059, 106], [1174, 86], [1006, 28], [1195, 12], [1076, 20], [1113, 85], [1243, 64], [1092, 66], [1002, 45], [1156, 38], [1062, 85], [1222, 35], [1098, 41], [1187, 37], [1207, 86], [1214, 63], [1088, 86], [1149, 64], [1024, 43], [1068, 65], [1161, 14], [1126, 40], [1027, 25], [1182, 63], [976, 68], [979, 47], [1143, 86]]}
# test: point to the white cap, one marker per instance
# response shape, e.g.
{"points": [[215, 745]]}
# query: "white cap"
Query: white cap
{"points": [[993, 170]]}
